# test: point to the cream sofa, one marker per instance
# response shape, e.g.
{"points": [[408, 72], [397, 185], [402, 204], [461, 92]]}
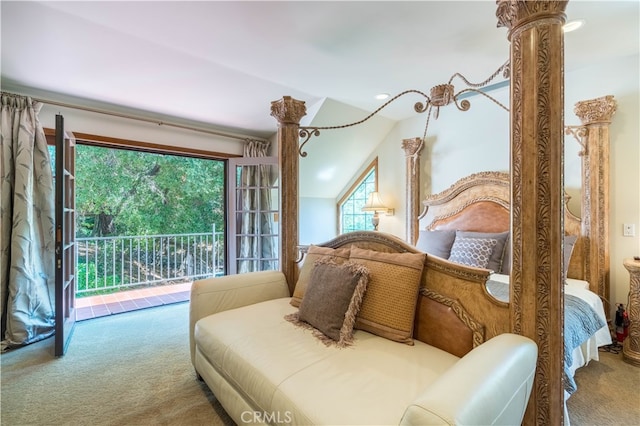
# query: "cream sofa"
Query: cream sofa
{"points": [[263, 369]]}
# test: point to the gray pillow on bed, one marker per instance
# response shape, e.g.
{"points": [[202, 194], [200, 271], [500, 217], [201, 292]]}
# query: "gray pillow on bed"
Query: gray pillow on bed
{"points": [[494, 262], [506, 259], [436, 242], [569, 242], [472, 251]]}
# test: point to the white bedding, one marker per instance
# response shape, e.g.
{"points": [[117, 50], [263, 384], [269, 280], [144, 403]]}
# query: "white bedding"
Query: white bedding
{"points": [[588, 350]]}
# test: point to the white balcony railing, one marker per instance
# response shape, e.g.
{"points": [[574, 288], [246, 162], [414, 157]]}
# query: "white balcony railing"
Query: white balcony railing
{"points": [[110, 264]]}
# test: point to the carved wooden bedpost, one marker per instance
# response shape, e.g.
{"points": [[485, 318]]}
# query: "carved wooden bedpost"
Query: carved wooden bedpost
{"points": [[288, 112], [595, 115], [412, 148], [537, 192]]}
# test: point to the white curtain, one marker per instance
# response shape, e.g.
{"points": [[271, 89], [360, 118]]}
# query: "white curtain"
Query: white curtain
{"points": [[257, 245], [27, 222]]}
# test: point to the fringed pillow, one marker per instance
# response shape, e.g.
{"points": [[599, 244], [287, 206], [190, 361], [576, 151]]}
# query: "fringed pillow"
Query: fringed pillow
{"points": [[315, 253], [332, 300]]}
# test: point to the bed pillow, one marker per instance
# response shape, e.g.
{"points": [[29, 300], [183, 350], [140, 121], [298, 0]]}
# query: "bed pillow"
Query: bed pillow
{"points": [[569, 242], [506, 259], [315, 253], [436, 242], [389, 305], [479, 249], [332, 300]]}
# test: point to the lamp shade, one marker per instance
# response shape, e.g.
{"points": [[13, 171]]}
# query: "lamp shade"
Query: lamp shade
{"points": [[374, 203]]}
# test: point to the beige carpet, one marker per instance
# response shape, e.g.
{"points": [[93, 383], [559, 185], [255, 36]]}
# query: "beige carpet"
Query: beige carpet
{"points": [[608, 393], [134, 369], [126, 369]]}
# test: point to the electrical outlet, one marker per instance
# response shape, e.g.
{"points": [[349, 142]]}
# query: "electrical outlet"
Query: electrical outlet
{"points": [[629, 230]]}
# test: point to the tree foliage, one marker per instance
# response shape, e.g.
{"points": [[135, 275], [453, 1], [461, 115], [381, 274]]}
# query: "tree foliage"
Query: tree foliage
{"points": [[122, 192]]}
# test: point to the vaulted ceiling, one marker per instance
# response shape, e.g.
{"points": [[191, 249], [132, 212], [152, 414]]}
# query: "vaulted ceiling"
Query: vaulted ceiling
{"points": [[219, 64]]}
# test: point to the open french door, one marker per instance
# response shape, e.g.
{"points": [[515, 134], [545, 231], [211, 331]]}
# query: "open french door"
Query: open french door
{"points": [[252, 226], [65, 238]]}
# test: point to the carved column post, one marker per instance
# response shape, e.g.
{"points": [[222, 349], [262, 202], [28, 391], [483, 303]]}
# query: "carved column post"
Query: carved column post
{"points": [[412, 148], [537, 125], [288, 112], [595, 115], [631, 347]]}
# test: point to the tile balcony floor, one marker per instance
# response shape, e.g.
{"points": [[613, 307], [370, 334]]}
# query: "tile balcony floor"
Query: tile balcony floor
{"points": [[125, 301]]}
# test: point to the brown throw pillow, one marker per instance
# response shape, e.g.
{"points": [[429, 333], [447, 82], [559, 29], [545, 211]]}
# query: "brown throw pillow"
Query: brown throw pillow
{"points": [[332, 300], [314, 253], [389, 306]]}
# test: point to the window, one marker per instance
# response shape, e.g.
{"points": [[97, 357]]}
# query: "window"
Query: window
{"points": [[352, 218]]}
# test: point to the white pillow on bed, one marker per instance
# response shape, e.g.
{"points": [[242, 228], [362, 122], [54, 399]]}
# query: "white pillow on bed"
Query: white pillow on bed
{"points": [[571, 282]]}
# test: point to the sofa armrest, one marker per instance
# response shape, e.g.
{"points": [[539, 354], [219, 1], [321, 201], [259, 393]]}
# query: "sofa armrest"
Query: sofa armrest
{"points": [[489, 385], [219, 294]]}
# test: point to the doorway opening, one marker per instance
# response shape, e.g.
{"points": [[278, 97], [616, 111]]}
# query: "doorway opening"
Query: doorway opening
{"points": [[147, 225]]}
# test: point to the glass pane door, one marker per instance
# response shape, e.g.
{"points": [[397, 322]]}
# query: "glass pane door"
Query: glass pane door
{"points": [[254, 228], [65, 238]]}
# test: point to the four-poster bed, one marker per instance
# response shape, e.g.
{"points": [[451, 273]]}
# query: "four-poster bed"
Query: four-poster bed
{"points": [[479, 204], [536, 194]]}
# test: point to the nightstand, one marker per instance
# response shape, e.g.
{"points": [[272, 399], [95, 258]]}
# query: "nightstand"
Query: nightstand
{"points": [[631, 348]]}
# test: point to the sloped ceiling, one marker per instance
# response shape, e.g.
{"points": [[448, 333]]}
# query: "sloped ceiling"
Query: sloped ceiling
{"points": [[218, 64]]}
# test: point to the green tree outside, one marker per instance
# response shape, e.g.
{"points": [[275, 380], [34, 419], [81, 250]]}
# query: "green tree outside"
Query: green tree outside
{"points": [[123, 192]]}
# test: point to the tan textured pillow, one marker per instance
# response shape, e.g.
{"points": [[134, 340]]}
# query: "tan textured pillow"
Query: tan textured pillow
{"points": [[332, 300], [314, 253], [389, 305]]}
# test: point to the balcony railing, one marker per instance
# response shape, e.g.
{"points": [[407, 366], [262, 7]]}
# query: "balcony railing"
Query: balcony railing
{"points": [[110, 264]]}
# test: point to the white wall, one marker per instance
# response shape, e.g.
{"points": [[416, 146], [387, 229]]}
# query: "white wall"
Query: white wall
{"points": [[460, 143], [318, 220], [80, 121]]}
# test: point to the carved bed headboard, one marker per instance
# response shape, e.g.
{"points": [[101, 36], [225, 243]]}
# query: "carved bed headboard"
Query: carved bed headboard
{"points": [[480, 203]]}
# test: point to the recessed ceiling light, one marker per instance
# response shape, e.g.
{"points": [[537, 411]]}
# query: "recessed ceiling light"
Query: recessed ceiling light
{"points": [[382, 96], [326, 174], [572, 25]]}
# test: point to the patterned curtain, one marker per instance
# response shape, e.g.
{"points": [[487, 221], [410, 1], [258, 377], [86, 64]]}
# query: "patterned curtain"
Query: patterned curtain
{"points": [[27, 221], [257, 225]]}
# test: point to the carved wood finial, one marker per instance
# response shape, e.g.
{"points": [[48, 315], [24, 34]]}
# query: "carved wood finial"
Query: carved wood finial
{"points": [[411, 146], [599, 110], [288, 110], [514, 13]]}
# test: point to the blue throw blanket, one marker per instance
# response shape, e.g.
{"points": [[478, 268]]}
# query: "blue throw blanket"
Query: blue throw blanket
{"points": [[580, 323]]}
